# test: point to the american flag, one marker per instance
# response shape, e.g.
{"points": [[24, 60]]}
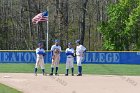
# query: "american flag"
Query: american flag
{"points": [[41, 17]]}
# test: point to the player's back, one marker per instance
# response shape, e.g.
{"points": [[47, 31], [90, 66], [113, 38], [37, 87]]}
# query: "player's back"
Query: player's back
{"points": [[80, 49]]}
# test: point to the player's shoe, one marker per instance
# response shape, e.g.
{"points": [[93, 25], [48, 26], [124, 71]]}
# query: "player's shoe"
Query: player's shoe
{"points": [[35, 74], [72, 74], [51, 74], [44, 74], [56, 74], [79, 75], [66, 74]]}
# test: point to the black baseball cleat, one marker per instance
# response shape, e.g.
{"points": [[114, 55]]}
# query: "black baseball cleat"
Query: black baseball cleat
{"points": [[56, 74], [44, 74], [35, 74], [72, 74], [79, 75], [51, 74], [66, 74]]}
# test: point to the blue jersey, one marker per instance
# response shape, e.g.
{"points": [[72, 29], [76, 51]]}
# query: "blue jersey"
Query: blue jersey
{"points": [[40, 51], [70, 52]]}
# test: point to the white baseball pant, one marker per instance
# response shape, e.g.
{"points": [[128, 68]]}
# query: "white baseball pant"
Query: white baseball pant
{"points": [[40, 62], [55, 61], [69, 62], [79, 60]]}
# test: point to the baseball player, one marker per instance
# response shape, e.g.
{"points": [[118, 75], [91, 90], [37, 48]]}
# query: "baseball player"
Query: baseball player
{"points": [[40, 53], [70, 59], [55, 50], [80, 50]]}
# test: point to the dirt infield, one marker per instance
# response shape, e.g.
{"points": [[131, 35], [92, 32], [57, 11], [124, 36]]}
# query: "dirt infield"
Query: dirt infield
{"points": [[28, 83]]}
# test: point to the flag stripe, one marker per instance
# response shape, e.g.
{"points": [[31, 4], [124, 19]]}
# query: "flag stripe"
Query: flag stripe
{"points": [[41, 17]]}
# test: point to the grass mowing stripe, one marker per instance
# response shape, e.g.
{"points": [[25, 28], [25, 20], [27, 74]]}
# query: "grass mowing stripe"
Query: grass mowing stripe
{"points": [[7, 89], [99, 69]]}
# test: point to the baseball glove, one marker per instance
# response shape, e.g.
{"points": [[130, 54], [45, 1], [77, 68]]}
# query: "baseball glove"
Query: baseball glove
{"points": [[56, 51]]}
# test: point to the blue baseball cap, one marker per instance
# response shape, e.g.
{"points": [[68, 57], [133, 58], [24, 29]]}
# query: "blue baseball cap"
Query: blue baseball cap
{"points": [[56, 41], [77, 41], [69, 43], [40, 44]]}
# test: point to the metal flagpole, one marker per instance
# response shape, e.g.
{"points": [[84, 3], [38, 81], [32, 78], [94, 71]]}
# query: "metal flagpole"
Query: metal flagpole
{"points": [[47, 33], [47, 41]]}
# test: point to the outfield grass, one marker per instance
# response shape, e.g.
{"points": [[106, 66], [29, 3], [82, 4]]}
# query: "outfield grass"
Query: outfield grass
{"points": [[98, 69], [6, 89]]}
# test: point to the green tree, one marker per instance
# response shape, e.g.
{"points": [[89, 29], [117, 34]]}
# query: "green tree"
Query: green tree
{"points": [[121, 30]]}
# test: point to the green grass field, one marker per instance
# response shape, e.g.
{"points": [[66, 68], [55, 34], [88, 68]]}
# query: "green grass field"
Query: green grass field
{"points": [[7, 89], [96, 69]]}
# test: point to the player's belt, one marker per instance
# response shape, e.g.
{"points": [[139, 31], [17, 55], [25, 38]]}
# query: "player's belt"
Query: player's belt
{"points": [[40, 57], [69, 57], [78, 55]]}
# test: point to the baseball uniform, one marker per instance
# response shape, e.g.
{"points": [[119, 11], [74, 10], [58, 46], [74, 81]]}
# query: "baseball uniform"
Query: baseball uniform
{"points": [[55, 50], [80, 50], [40, 53], [69, 60]]}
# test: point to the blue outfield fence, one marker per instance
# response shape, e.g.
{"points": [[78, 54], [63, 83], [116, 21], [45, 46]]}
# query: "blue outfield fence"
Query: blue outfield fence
{"points": [[90, 57]]}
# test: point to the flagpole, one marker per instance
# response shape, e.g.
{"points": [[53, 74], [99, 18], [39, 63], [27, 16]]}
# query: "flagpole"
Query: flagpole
{"points": [[47, 41], [47, 36], [47, 33]]}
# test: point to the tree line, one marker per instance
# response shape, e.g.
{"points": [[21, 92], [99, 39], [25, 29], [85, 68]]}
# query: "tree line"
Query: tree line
{"points": [[92, 21]]}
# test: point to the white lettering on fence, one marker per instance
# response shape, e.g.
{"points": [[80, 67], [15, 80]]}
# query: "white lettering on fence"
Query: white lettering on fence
{"points": [[6, 57], [102, 57]]}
